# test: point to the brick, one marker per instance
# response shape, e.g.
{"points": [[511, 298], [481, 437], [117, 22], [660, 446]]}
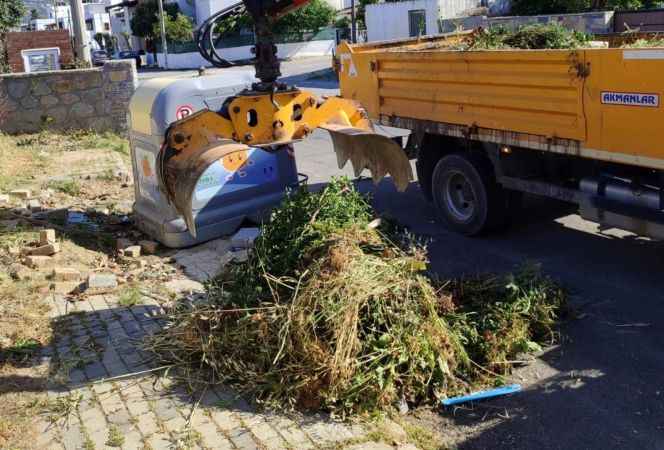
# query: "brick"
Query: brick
{"points": [[149, 247], [34, 205], [99, 283], [45, 250], [20, 193], [133, 251], [245, 237], [65, 287], [36, 261], [122, 243], [66, 274], [47, 237]]}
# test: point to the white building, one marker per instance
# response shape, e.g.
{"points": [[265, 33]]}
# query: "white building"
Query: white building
{"points": [[396, 20], [57, 15]]}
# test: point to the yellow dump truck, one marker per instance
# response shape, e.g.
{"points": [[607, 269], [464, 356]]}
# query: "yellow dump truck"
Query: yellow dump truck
{"points": [[584, 126]]}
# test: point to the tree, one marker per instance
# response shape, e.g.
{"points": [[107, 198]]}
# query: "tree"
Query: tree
{"points": [[11, 12], [146, 15], [34, 14], [179, 29], [311, 18], [316, 15]]}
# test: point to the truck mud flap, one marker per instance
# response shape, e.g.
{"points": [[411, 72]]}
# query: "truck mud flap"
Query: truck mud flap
{"points": [[180, 171], [367, 150]]}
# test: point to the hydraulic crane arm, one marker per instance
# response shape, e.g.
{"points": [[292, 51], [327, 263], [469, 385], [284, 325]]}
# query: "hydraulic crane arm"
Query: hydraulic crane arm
{"points": [[269, 115]]}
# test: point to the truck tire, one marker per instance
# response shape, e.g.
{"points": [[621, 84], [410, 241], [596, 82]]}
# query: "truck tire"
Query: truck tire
{"points": [[466, 197]]}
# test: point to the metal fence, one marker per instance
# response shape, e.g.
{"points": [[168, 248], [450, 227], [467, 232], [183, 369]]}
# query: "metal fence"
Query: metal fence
{"points": [[240, 40]]}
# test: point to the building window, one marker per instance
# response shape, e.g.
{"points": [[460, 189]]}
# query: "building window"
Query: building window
{"points": [[417, 22], [107, 26], [88, 24]]}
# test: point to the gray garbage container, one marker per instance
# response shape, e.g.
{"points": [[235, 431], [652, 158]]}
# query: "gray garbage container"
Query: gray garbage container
{"points": [[225, 194]]}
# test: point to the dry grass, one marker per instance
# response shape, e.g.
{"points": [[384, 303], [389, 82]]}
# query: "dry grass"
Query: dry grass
{"points": [[28, 162]]}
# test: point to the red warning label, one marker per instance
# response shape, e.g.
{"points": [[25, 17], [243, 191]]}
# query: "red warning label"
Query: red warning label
{"points": [[183, 111]]}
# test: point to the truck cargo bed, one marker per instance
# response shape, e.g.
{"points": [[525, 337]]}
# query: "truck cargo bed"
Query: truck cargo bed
{"points": [[602, 104]]}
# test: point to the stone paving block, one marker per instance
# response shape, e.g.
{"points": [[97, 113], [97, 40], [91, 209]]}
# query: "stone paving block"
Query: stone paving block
{"points": [[164, 409], [147, 424], [114, 365], [134, 362], [102, 388], [290, 431], [133, 329], [77, 376], [111, 403], [225, 420], [137, 405], [98, 437], [267, 436], [211, 436], [122, 419], [98, 303], [242, 439], [160, 442], [95, 371], [175, 424], [133, 441], [72, 436], [151, 327]]}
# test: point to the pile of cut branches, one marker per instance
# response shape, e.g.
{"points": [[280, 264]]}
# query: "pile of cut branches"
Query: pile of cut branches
{"points": [[331, 313], [529, 37]]}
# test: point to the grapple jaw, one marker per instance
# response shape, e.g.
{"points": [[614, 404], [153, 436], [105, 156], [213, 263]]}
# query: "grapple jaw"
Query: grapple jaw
{"points": [[269, 122]]}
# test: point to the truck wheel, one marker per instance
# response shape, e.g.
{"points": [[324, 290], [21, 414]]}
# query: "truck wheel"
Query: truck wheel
{"points": [[466, 196]]}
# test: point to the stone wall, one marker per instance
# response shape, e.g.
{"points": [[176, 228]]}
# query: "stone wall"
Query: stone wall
{"points": [[96, 99], [25, 40]]}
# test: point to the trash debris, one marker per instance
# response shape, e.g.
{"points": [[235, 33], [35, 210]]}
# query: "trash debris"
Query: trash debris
{"points": [[184, 286], [482, 395]]}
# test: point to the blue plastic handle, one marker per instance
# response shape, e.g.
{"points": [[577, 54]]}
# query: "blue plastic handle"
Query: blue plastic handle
{"points": [[481, 395]]}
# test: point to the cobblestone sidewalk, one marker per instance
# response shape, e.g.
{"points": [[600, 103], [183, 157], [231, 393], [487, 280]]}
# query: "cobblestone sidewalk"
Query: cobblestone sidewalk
{"points": [[96, 343]]}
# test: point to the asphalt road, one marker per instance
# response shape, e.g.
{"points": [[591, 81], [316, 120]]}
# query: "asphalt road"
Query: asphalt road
{"points": [[603, 387], [245, 72]]}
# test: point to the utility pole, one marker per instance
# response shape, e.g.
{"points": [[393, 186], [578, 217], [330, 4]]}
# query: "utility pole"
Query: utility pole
{"points": [[353, 23], [80, 33], [162, 28]]}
